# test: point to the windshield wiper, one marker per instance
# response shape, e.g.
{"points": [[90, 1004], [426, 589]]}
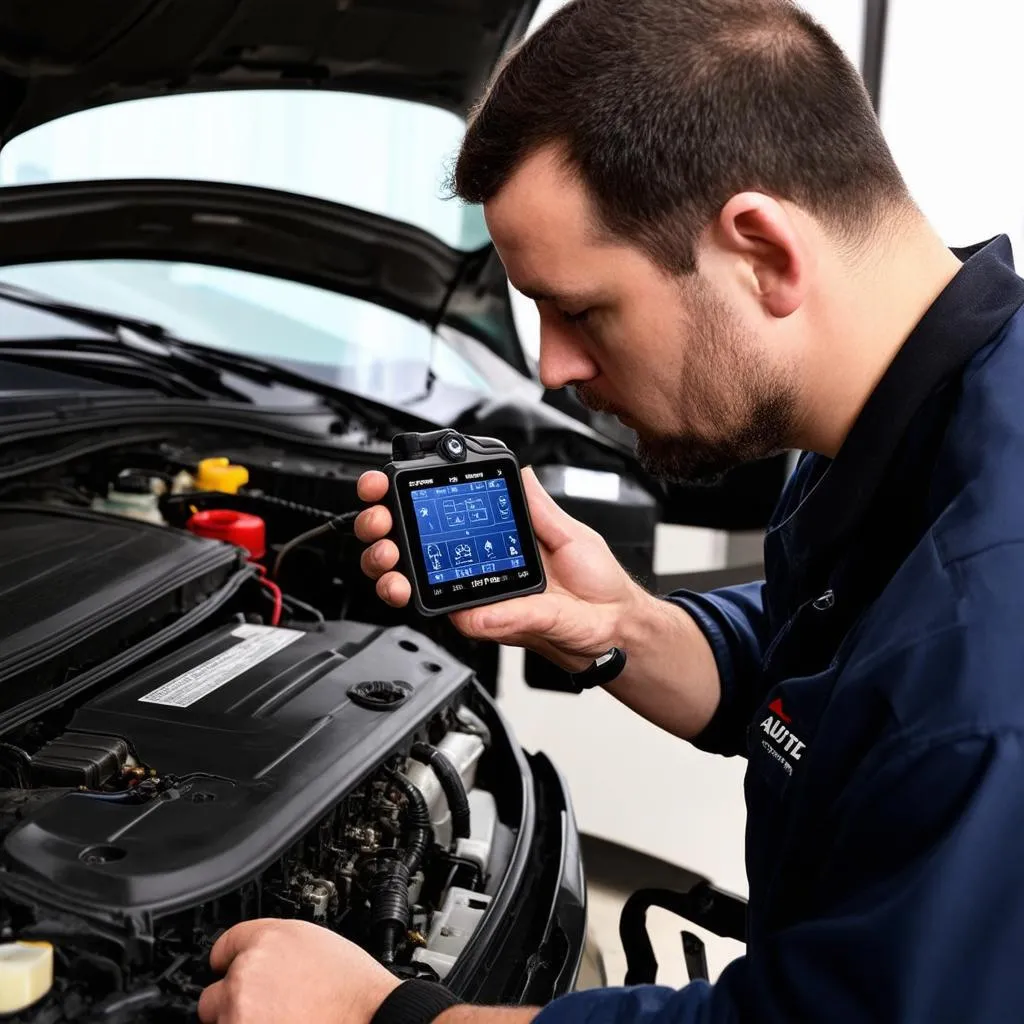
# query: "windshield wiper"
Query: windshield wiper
{"points": [[161, 371], [199, 363], [100, 320]]}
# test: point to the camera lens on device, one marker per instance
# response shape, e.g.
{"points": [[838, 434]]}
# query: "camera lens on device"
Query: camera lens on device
{"points": [[454, 447]]}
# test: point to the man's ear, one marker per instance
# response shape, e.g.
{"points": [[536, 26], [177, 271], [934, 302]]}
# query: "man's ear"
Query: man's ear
{"points": [[763, 234]]}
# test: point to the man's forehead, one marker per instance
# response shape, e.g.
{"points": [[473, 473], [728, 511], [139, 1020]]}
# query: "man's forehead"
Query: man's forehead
{"points": [[542, 205], [543, 227]]}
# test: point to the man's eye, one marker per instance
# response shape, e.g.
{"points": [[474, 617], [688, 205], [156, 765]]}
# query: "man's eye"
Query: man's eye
{"points": [[575, 318]]}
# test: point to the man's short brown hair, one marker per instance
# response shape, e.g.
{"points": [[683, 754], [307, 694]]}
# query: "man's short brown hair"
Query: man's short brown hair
{"points": [[665, 109]]}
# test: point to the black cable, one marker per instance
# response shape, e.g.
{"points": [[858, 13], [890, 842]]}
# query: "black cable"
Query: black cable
{"points": [[128, 796], [334, 524], [314, 613], [24, 763], [451, 783], [255, 502], [21, 755], [131, 1001]]}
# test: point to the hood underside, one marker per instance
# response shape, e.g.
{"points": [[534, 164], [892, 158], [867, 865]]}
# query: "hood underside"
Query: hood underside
{"points": [[64, 56], [279, 234]]}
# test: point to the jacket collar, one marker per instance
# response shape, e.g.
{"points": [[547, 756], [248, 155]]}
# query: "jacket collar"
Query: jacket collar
{"points": [[969, 313]]}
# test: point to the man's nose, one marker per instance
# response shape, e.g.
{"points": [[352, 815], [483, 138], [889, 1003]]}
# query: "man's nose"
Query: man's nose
{"points": [[563, 360]]}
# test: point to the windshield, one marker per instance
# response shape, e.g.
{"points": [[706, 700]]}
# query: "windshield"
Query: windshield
{"points": [[335, 338], [383, 155]]}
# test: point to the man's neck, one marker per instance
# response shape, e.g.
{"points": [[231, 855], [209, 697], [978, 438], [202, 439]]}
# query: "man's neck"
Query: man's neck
{"points": [[868, 314]]}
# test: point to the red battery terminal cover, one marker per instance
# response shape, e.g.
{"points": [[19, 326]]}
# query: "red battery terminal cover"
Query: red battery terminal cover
{"points": [[238, 528]]}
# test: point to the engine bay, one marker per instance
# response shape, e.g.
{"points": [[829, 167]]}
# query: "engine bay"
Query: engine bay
{"points": [[196, 731]]}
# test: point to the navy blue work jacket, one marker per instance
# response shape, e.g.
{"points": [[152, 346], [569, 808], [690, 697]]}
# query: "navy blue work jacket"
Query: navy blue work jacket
{"points": [[875, 685]]}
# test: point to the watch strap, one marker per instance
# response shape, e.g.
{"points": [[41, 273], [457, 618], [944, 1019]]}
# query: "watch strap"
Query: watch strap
{"points": [[415, 1001], [605, 669]]}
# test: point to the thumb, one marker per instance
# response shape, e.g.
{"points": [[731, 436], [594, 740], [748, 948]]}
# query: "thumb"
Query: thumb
{"points": [[551, 523]]}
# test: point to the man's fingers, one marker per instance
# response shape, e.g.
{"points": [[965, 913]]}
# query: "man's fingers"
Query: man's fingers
{"points": [[522, 616], [393, 588], [211, 1003], [372, 486], [550, 522], [373, 524], [379, 559]]}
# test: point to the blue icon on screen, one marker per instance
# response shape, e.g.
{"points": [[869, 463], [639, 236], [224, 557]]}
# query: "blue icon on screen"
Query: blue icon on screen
{"points": [[464, 552], [492, 547], [512, 544], [426, 517], [502, 507], [436, 557]]}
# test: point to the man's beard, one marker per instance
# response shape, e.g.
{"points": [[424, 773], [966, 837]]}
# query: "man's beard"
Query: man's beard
{"points": [[736, 409]]}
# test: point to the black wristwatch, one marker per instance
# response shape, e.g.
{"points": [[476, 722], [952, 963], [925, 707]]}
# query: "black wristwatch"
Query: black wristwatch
{"points": [[606, 668]]}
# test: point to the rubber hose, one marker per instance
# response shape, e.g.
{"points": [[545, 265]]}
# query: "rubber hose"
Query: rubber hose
{"points": [[451, 783], [389, 909], [418, 828], [130, 1003]]}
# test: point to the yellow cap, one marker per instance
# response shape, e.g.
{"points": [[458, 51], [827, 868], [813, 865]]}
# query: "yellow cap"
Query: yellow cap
{"points": [[26, 974], [220, 475]]}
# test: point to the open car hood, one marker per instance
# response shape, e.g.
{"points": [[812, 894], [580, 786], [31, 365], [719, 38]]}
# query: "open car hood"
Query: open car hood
{"points": [[64, 56], [280, 234]]}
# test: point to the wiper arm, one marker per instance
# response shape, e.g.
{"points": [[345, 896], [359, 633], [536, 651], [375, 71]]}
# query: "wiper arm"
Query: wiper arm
{"points": [[201, 358], [156, 350], [101, 320], [265, 372], [160, 369]]}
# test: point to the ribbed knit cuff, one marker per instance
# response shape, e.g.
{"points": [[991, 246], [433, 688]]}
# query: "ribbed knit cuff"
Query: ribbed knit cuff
{"points": [[415, 1001]]}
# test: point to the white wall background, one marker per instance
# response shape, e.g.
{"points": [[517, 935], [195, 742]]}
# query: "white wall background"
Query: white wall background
{"points": [[950, 109]]}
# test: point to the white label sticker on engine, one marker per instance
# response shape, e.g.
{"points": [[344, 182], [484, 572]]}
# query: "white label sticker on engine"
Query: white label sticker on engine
{"points": [[258, 644]]}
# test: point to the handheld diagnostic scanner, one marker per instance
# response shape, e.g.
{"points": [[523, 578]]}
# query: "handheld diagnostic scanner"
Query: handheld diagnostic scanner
{"points": [[461, 521]]}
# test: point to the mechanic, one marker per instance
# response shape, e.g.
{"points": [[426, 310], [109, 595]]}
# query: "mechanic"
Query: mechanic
{"points": [[699, 198]]}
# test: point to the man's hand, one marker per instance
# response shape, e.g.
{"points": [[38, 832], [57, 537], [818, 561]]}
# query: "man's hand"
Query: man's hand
{"points": [[278, 971], [590, 605], [576, 619]]}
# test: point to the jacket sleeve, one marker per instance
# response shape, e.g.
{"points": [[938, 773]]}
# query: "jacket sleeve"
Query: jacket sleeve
{"points": [[734, 622], [917, 913]]}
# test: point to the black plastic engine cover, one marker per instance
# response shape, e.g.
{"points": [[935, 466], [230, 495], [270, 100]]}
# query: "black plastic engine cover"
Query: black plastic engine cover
{"points": [[76, 587], [258, 726]]}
